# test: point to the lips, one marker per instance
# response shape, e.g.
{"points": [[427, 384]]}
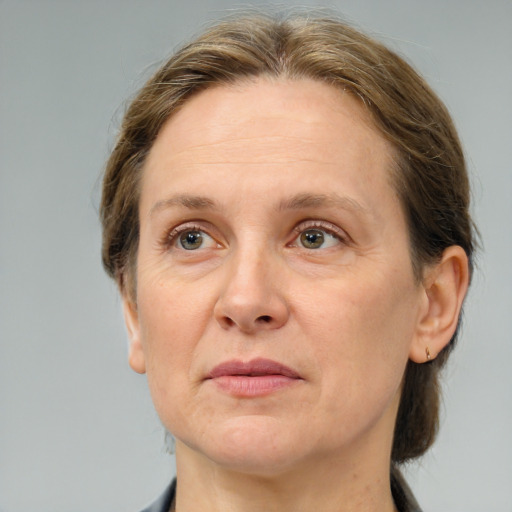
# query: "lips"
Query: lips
{"points": [[254, 368], [253, 378]]}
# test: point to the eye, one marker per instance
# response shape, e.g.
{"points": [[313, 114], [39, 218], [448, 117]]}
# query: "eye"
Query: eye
{"points": [[317, 238], [192, 239], [314, 237]]}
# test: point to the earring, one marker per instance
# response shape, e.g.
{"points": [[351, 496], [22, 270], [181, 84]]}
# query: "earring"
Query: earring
{"points": [[427, 351]]}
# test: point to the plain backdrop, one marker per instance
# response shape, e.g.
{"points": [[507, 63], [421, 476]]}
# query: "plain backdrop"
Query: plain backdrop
{"points": [[77, 428]]}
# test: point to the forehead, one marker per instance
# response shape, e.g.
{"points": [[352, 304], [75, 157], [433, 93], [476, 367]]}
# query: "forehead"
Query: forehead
{"points": [[277, 130], [305, 109]]}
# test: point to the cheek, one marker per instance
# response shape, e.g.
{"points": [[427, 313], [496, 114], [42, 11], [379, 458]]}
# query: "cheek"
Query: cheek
{"points": [[364, 329], [168, 353], [172, 319]]}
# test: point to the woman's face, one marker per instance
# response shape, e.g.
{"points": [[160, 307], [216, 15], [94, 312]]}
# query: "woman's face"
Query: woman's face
{"points": [[276, 304]]}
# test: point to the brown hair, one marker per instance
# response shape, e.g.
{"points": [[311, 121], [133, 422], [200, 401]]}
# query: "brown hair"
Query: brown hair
{"points": [[429, 176]]}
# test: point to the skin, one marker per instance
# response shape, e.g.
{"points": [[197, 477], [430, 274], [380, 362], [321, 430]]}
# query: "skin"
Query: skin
{"points": [[252, 167]]}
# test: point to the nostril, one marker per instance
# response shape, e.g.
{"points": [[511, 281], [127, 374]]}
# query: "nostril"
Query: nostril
{"points": [[229, 322], [264, 319]]}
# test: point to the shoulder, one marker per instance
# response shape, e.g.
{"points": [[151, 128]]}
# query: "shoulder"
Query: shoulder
{"points": [[163, 503]]}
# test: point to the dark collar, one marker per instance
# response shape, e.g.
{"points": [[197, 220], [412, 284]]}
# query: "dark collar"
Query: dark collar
{"points": [[163, 503], [402, 494]]}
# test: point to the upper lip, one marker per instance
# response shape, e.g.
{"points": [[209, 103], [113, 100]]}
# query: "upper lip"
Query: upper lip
{"points": [[254, 368]]}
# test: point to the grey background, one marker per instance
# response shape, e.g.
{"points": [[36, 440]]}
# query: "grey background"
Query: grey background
{"points": [[77, 428]]}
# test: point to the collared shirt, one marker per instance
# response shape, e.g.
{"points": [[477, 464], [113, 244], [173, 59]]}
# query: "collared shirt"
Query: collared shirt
{"points": [[163, 503], [402, 494]]}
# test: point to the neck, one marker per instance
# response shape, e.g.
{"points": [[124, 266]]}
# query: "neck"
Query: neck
{"points": [[332, 486]]}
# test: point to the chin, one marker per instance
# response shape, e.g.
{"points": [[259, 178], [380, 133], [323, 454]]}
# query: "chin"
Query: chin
{"points": [[254, 445]]}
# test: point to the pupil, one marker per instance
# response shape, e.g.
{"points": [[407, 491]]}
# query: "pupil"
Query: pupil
{"points": [[191, 240], [312, 239]]}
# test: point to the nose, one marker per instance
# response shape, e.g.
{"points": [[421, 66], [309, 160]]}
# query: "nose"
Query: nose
{"points": [[252, 298]]}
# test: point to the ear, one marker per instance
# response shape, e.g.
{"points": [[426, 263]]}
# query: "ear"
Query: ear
{"points": [[445, 286], [136, 357]]}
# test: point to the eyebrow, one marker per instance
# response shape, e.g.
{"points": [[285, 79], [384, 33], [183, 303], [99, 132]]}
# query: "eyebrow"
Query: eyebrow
{"points": [[296, 202], [190, 202], [302, 201]]}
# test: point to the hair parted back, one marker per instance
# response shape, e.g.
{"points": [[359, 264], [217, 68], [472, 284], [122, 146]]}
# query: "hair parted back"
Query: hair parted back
{"points": [[430, 175]]}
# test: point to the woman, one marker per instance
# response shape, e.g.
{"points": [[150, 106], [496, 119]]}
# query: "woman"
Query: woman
{"points": [[286, 215]]}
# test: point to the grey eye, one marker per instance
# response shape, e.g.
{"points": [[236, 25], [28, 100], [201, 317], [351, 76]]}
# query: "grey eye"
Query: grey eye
{"points": [[191, 240], [312, 238]]}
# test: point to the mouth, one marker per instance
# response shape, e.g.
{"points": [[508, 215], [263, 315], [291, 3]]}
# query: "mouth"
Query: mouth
{"points": [[258, 377]]}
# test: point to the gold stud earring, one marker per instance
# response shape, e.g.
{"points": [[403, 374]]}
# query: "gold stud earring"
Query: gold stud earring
{"points": [[427, 351]]}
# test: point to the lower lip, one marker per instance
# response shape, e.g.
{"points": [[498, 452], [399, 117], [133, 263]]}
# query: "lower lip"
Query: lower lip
{"points": [[245, 386]]}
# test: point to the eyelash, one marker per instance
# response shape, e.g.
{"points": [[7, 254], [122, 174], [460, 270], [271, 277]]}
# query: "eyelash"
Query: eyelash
{"points": [[172, 236], [328, 227]]}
